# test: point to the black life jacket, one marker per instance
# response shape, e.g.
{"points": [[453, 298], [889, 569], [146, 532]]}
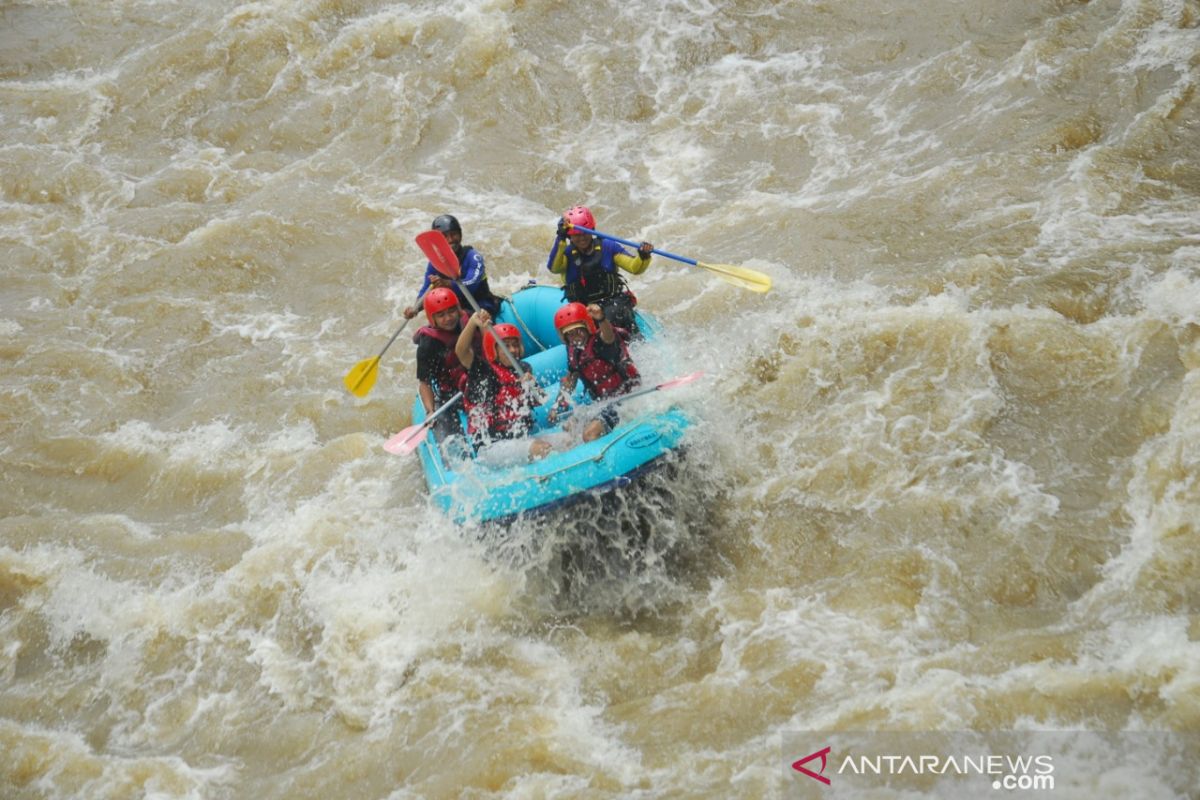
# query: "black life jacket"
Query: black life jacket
{"points": [[593, 276]]}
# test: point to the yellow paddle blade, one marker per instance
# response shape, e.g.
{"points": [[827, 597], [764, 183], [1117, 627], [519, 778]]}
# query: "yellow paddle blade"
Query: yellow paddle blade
{"points": [[361, 378], [739, 276]]}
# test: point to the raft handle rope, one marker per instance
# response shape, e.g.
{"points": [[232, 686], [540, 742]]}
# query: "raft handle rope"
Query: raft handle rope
{"points": [[520, 321]]}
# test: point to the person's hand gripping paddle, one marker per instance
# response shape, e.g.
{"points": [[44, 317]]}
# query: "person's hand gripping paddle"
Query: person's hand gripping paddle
{"points": [[738, 276], [361, 376], [441, 255], [411, 437]]}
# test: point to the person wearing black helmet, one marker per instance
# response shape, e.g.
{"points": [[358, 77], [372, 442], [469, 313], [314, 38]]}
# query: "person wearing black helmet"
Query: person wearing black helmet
{"points": [[473, 275]]}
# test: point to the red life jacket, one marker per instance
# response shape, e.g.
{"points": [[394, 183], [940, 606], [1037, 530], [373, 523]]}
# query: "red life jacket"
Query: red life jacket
{"points": [[602, 377], [456, 374], [499, 407]]}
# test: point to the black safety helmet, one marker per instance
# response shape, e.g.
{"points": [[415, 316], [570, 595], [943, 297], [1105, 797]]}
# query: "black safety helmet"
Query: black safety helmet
{"points": [[446, 223]]}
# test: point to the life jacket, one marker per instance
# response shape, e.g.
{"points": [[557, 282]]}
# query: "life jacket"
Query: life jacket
{"points": [[454, 375], [498, 407], [603, 378], [593, 276]]}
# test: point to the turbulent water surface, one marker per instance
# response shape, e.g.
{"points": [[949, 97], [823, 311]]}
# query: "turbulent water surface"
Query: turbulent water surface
{"points": [[944, 476]]}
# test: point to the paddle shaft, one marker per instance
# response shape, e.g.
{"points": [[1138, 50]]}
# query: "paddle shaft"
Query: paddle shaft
{"points": [[512, 360], [641, 392], [635, 245], [397, 333], [373, 364], [443, 258], [686, 379], [429, 420], [389, 342], [424, 426]]}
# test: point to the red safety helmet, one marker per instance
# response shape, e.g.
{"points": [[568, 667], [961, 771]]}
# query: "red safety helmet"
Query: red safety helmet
{"points": [[580, 215], [572, 315], [504, 331], [439, 300]]}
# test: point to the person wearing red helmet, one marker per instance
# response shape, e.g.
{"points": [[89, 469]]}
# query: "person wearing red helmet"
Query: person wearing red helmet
{"points": [[470, 261], [597, 354], [590, 267], [499, 400], [440, 374]]}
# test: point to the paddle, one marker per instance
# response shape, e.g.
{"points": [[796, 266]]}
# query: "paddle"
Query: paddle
{"points": [[361, 377], [738, 276], [411, 437], [682, 380], [441, 255]]}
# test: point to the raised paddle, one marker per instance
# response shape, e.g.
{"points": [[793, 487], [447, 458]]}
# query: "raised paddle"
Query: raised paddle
{"points": [[738, 276], [442, 256], [361, 377], [411, 437]]}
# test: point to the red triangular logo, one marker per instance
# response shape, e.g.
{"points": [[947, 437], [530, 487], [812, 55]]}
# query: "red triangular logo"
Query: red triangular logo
{"points": [[821, 754]]}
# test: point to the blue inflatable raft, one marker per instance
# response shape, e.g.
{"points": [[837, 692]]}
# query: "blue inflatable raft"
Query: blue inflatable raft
{"points": [[468, 490]]}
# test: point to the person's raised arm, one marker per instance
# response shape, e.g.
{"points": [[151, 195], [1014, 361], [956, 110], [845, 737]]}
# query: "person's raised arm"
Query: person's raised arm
{"points": [[463, 347], [557, 261], [635, 265], [608, 334]]}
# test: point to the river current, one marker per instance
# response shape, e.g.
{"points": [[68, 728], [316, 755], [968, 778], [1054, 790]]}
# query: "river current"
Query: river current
{"points": [[945, 476]]}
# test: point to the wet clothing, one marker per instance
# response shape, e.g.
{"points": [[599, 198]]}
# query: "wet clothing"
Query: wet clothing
{"points": [[472, 276], [605, 369], [620, 309], [498, 403], [439, 367], [593, 277], [437, 363]]}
